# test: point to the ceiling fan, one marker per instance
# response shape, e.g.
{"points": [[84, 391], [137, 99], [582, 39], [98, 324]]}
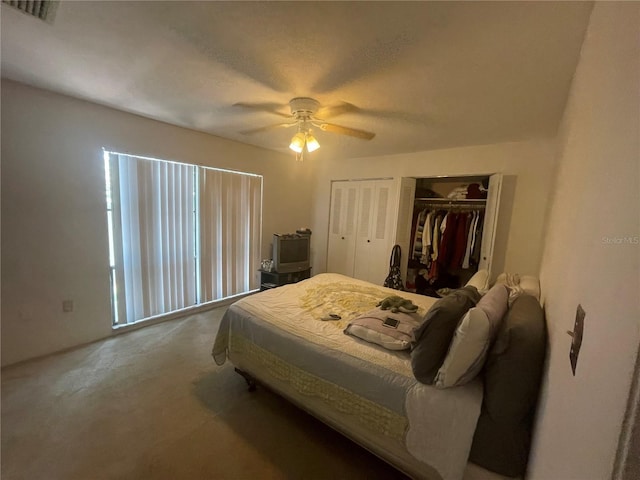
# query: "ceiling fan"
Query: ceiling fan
{"points": [[306, 113]]}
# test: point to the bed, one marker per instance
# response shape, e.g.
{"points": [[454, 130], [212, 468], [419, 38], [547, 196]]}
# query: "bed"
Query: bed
{"points": [[366, 392]]}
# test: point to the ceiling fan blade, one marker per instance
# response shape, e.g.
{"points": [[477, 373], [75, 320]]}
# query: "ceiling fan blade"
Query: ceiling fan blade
{"points": [[267, 128], [419, 118], [264, 107], [352, 132], [335, 110]]}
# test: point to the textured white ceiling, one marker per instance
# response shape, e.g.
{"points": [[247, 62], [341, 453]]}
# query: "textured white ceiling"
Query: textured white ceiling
{"points": [[423, 75]]}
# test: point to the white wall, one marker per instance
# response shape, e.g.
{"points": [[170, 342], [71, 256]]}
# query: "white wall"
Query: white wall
{"points": [[530, 163], [596, 205], [54, 237]]}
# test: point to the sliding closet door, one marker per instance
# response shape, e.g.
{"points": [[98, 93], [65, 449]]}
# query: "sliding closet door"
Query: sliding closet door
{"points": [[489, 228], [342, 227]]}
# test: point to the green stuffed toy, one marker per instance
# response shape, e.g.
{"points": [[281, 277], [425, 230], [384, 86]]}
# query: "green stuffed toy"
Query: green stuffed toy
{"points": [[397, 304]]}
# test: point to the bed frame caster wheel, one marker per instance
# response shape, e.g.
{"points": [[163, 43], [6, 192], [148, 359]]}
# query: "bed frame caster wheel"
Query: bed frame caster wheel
{"points": [[248, 378]]}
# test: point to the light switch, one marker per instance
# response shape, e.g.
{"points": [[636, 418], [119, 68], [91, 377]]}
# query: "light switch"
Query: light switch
{"points": [[67, 306], [576, 335]]}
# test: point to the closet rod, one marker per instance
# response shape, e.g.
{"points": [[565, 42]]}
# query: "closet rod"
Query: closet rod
{"points": [[441, 206], [452, 203], [450, 200]]}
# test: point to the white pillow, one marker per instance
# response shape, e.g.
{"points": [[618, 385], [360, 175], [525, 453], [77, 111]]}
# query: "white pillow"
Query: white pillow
{"points": [[480, 280], [471, 340], [530, 285], [519, 284], [467, 350]]}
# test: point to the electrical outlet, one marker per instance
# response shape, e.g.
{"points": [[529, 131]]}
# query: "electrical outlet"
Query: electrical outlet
{"points": [[67, 306]]}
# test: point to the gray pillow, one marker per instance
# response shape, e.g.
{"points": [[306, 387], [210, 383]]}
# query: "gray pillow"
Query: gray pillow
{"points": [[433, 337], [512, 375]]}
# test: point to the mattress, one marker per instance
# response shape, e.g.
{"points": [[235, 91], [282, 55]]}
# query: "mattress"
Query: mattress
{"points": [[365, 391]]}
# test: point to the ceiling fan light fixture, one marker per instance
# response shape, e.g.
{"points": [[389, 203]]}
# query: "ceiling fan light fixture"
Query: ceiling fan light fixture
{"points": [[312, 143], [297, 142]]}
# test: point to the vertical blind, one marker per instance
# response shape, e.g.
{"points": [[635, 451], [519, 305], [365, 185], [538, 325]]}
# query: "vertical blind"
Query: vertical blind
{"points": [[230, 213], [183, 235]]}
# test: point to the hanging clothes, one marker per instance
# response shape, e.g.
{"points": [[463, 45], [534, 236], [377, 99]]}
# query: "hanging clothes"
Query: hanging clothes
{"points": [[470, 238], [459, 240], [437, 224], [475, 255], [427, 234], [416, 250], [445, 240]]}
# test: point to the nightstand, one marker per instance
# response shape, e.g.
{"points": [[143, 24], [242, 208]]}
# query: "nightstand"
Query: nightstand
{"points": [[276, 279]]}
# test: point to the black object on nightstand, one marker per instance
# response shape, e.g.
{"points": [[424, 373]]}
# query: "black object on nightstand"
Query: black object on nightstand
{"points": [[274, 279]]}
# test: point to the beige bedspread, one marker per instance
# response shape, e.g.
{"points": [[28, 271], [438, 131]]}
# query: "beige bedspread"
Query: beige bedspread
{"points": [[362, 389]]}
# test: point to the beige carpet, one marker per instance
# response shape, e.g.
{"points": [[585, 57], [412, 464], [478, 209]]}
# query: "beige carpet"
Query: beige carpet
{"points": [[151, 404]]}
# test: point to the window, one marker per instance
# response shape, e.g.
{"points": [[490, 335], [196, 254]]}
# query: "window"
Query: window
{"points": [[179, 235]]}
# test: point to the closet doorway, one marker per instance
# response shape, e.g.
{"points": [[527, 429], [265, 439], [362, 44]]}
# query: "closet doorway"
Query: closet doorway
{"points": [[453, 232]]}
